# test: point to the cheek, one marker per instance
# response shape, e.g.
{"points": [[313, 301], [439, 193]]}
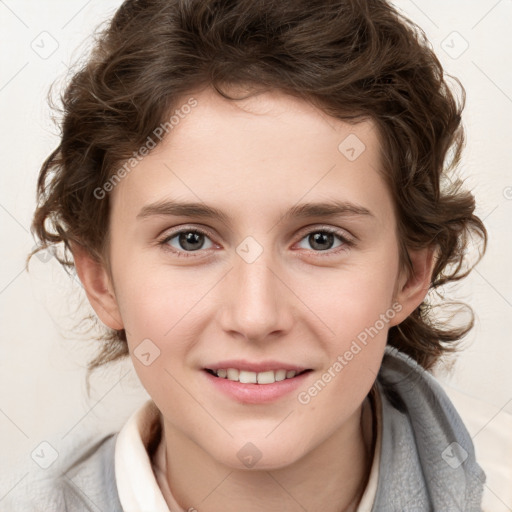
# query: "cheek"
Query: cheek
{"points": [[356, 297], [358, 308], [156, 313], [358, 312], [152, 297]]}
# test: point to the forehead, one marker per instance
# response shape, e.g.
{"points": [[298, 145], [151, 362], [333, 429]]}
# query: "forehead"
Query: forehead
{"points": [[273, 118], [262, 153]]}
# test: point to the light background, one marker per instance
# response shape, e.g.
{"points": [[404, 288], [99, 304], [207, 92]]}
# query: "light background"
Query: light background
{"points": [[42, 364]]}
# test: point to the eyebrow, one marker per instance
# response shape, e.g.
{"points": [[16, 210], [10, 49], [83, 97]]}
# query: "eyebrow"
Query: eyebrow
{"points": [[300, 211]]}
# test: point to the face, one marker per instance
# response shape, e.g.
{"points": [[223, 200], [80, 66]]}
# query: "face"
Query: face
{"points": [[273, 282]]}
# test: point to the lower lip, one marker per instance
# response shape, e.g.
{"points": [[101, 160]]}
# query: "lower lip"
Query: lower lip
{"points": [[256, 393]]}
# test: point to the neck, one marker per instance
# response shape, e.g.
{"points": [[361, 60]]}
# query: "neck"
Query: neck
{"points": [[331, 478]]}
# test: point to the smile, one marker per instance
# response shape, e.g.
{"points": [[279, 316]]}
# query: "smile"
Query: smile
{"points": [[248, 377]]}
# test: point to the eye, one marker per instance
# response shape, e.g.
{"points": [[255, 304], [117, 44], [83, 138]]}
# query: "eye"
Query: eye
{"points": [[186, 240], [323, 240]]}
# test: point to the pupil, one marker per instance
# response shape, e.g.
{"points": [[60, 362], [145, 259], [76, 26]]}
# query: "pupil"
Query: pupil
{"points": [[187, 240], [320, 239]]}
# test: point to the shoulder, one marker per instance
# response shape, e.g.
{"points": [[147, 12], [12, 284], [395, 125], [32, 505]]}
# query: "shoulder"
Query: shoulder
{"points": [[82, 479], [427, 452]]}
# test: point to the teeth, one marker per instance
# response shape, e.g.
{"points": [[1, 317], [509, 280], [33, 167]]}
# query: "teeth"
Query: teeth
{"points": [[280, 375], [245, 377], [266, 377], [232, 374]]}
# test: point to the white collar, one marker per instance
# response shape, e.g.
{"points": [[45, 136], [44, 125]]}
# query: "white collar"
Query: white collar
{"points": [[136, 483]]}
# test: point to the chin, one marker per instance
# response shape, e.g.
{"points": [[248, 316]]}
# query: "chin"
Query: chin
{"points": [[259, 454]]}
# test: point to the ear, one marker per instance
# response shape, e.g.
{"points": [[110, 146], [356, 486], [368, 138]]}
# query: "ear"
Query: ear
{"points": [[98, 287], [413, 285]]}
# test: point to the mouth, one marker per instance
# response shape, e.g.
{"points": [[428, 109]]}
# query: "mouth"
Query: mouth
{"points": [[256, 383], [249, 377]]}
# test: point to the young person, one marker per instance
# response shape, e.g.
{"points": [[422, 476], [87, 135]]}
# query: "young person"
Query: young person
{"points": [[252, 195]]}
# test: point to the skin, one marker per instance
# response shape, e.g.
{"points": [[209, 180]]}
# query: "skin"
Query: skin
{"points": [[254, 159]]}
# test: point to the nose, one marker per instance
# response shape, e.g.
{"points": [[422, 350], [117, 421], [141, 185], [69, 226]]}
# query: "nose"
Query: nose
{"points": [[258, 305]]}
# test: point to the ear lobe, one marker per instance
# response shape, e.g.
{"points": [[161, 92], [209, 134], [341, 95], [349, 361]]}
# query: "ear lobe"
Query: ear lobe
{"points": [[412, 288], [98, 287]]}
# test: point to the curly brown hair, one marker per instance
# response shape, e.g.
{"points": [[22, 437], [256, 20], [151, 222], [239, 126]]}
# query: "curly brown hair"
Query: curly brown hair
{"points": [[353, 59]]}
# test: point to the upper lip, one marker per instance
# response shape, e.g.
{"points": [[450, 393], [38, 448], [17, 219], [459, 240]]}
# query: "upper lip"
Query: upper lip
{"points": [[257, 367]]}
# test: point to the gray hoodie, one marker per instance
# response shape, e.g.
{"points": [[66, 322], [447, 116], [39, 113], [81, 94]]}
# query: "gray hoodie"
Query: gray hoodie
{"points": [[427, 458]]}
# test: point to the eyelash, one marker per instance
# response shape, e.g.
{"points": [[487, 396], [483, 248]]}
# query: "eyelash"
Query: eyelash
{"points": [[347, 242]]}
